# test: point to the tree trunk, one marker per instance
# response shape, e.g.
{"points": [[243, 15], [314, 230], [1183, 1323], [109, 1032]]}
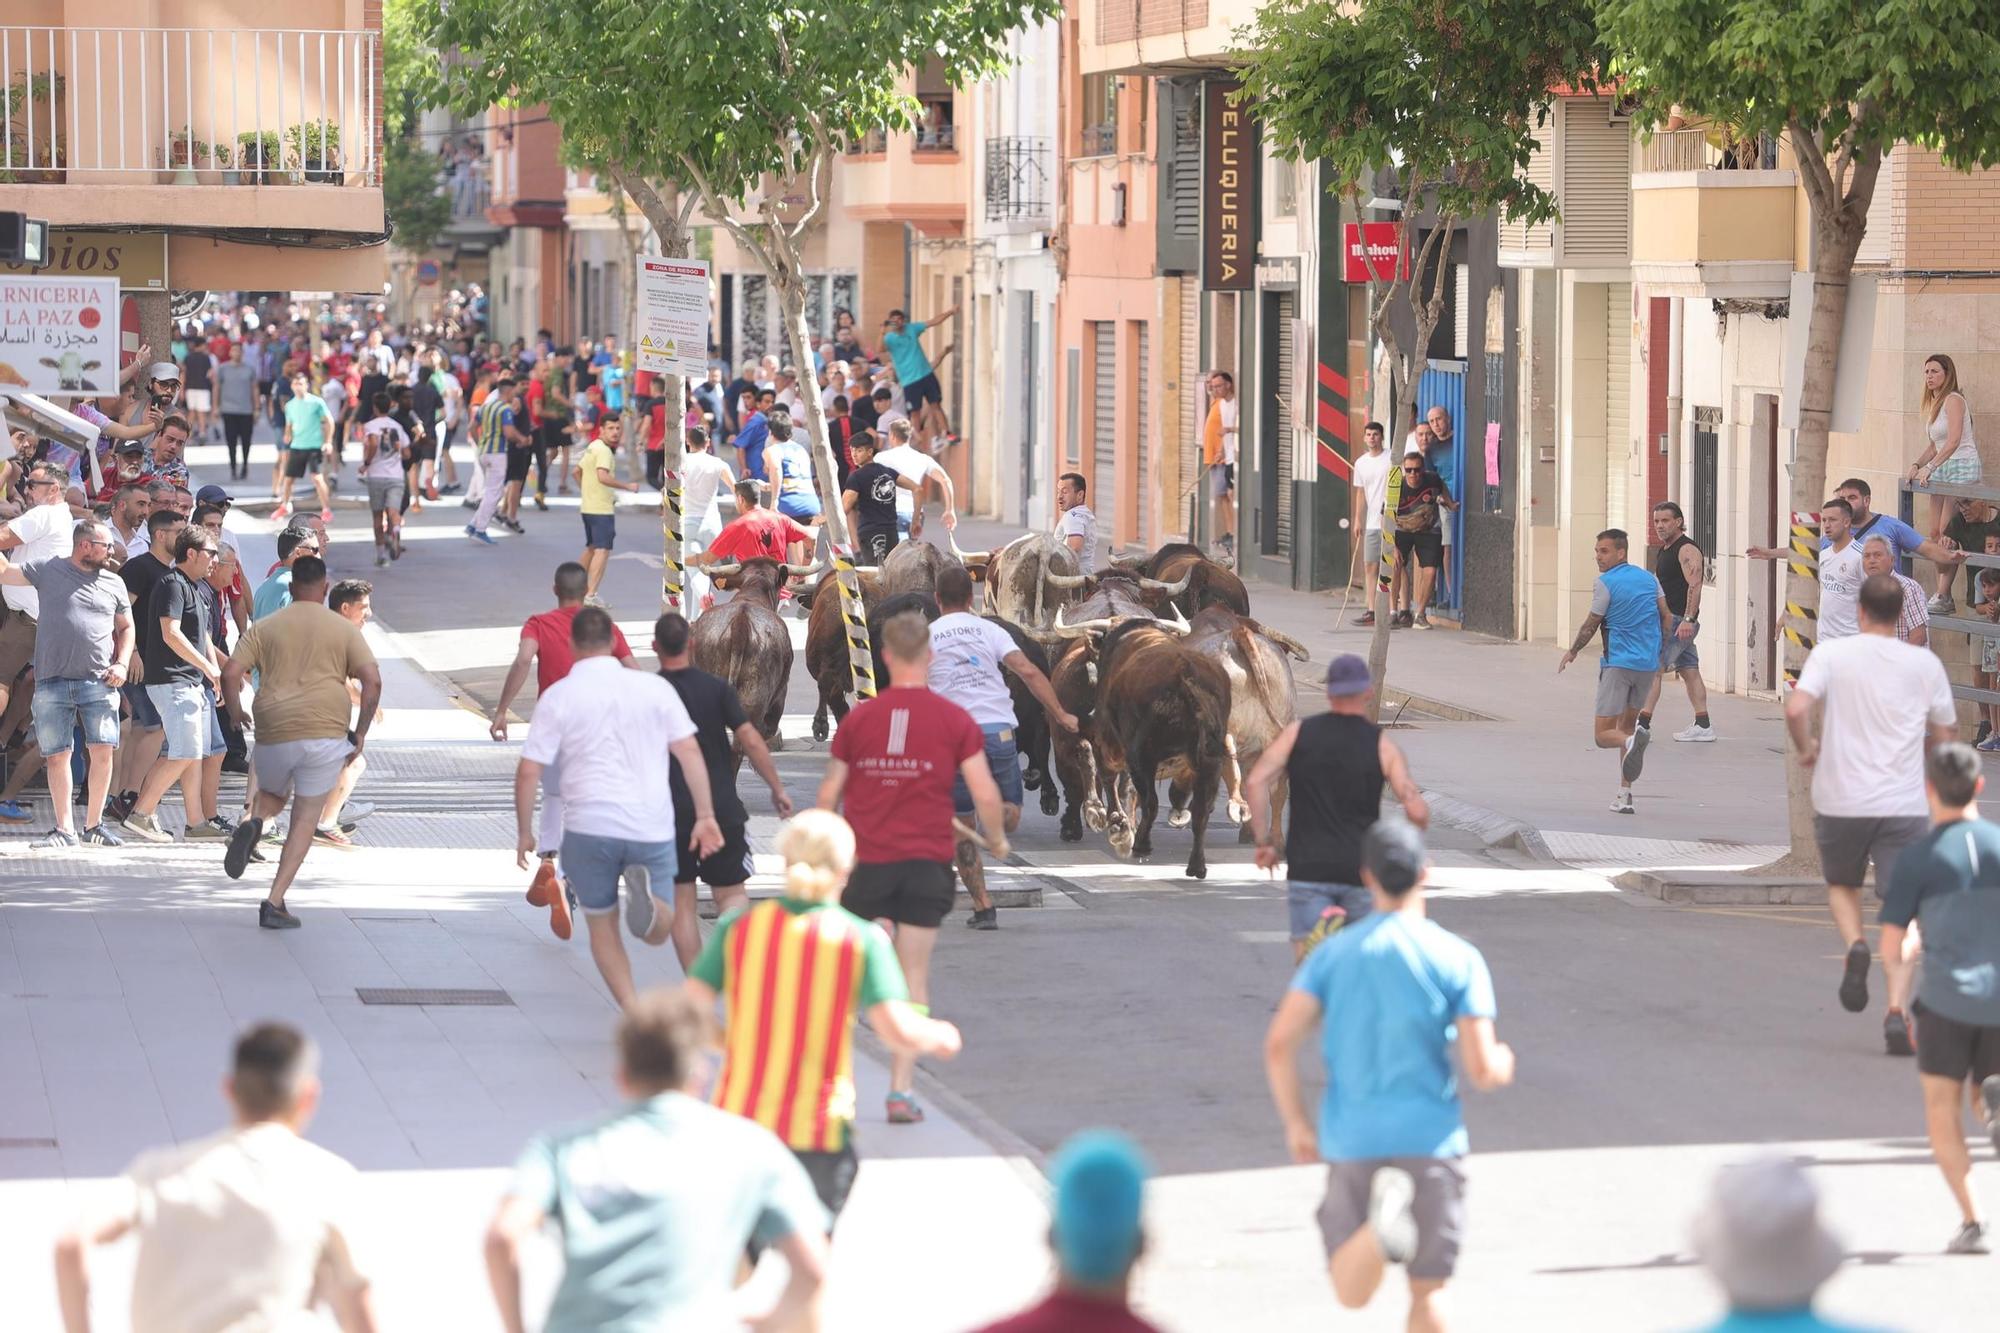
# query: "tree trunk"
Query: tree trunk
{"points": [[664, 210]]}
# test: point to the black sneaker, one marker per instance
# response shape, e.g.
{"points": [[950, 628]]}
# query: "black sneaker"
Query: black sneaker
{"points": [[99, 836], [1898, 1034], [270, 916], [986, 918], [1401, 620], [1854, 980], [242, 847], [1367, 618], [119, 806]]}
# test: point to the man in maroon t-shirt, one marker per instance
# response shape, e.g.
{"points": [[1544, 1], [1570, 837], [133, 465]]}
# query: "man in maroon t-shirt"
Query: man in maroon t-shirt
{"points": [[894, 759], [545, 645]]}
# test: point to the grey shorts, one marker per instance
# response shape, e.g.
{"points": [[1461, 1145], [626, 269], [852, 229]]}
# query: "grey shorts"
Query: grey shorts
{"points": [[1621, 690], [1847, 843], [302, 768], [1371, 548], [1440, 1208], [384, 494]]}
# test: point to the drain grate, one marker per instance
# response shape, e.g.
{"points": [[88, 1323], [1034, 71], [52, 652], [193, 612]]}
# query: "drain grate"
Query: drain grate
{"points": [[424, 996]]}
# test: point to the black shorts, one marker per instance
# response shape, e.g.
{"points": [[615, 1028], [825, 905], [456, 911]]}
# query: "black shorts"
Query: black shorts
{"points": [[1947, 1048], [299, 462], [872, 545], [517, 463], [832, 1175], [909, 893], [918, 392], [728, 867], [1847, 843], [424, 450], [1429, 547]]}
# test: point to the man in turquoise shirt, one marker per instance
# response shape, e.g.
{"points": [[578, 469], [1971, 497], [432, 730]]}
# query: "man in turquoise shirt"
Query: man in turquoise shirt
{"points": [[308, 422], [1628, 602], [922, 398], [274, 594], [1397, 993]]}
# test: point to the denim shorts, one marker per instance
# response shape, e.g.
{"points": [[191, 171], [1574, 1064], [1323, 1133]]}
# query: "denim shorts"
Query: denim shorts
{"points": [[60, 706], [1004, 759], [144, 716], [187, 711], [1680, 653], [593, 863], [1310, 900]]}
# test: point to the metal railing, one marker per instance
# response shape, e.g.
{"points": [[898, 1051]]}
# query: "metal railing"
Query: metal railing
{"points": [[1017, 178], [243, 106], [1977, 626], [1708, 148], [936, 139]]}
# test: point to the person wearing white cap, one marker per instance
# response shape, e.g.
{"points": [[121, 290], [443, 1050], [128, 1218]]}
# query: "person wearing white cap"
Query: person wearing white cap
{"points": [[1761, 1238]]}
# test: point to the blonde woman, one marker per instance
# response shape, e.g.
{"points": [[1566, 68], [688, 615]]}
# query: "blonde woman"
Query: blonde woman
{"points": [[1952, 456], [794, 972]]}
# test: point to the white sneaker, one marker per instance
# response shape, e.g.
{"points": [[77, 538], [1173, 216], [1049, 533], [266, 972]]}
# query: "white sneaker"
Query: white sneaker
{"points": [[1621, 804], [1694, 731], [354, 812]]}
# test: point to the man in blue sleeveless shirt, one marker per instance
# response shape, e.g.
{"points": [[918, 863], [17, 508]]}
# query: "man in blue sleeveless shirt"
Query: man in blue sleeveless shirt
{"points": [[1629, 604]]}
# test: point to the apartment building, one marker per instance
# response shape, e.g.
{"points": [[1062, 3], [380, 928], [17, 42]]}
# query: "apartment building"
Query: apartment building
{"points": [[226, 152]]}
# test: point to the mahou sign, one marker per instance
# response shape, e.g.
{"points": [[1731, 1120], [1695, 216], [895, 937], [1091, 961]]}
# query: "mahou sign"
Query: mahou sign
{"points": [[1229, 203], [1372, 250]]}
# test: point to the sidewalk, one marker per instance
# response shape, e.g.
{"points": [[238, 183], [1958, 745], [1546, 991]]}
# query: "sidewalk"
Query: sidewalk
{"points": [[125, 975]]}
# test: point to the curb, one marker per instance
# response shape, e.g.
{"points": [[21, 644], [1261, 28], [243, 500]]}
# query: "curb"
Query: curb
{"points": [[1393, 697], [1723, 888], [1490, 826]]}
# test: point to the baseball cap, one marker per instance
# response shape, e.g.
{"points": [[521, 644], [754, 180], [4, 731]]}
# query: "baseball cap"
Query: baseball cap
{"points": [[130, 447], [164, 370], [208, 495], [1393, 852], [1347, 674], [1100, 1180]]}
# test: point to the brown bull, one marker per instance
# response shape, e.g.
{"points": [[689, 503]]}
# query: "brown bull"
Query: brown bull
{"points": [[1203, 583], [826, 648], [913, 566], [1262, 698], [746, 643]]}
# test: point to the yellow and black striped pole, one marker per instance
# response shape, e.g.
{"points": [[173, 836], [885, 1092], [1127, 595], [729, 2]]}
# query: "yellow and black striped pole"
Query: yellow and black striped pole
{"points": [[1802, 628], [671, 574], [854, 618]]}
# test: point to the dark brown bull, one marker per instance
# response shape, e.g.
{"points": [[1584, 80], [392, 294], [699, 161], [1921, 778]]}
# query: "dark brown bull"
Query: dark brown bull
{"points": [[1031, 722], [826, 649], [1115, 598], [1203, 583], [746, 643], [1262, 698]]}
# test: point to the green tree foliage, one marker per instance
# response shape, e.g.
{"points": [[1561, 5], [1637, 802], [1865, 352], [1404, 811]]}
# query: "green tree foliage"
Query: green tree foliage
{"points": [[1844, 83], [417, 208]]}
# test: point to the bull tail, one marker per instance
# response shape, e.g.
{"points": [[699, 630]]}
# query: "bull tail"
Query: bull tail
{"points": [[1265, 688]]}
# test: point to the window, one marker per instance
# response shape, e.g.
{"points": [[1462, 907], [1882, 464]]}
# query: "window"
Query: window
{"points": [[1284, 188], [1100, 115]]}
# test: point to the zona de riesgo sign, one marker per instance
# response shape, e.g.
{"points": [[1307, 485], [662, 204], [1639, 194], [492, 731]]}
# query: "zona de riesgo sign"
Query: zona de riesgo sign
{"points": [[1229, 201]]}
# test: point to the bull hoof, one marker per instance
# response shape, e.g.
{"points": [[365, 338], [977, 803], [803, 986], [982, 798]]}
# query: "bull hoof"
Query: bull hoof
{"points": [[1197, 870], [1031, 778], [1179, 818], [775, 744], [1094, 816], [1050, 802], [820, 727], [1072, 833], [1142, 851], [1239, 812]]}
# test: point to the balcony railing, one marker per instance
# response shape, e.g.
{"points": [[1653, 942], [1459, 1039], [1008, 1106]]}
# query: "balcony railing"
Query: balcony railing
{"points": [[1017, 179], [1708, 148], [198, 106], [936, 139]]}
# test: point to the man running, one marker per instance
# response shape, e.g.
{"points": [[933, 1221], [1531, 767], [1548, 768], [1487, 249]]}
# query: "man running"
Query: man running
{"points": [[310, 429], [967, 653], [1628, 603], [870, 497], [385, 454], [903, 749], [912, 463], [921, 394], [597, 476], [1398, 992], [612, 733], [304, 656], [1681, 571], [545, 646], [497, 439], [1336, 764], [1949, 880], [722, 728], [704, 478], [1885, 703], [755, 531]]}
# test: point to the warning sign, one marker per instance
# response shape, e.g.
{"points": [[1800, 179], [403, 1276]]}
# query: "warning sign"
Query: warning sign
{"points": [[673, 315]]}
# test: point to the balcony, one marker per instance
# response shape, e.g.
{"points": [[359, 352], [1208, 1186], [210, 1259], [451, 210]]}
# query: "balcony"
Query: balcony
{"points": [[1017, 180], [247, 128], [909, 176], [1713, 215]]}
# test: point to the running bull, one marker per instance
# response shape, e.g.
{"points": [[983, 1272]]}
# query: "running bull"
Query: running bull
{"points": [[1262, 698], [746, 643]]}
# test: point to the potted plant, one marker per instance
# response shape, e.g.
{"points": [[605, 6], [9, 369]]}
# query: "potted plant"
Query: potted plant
{"points": [[313, 151], [257, 157], [220, 159], [45, 92], [183, 151]]}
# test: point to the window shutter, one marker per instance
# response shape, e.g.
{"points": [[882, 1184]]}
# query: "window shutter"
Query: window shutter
{"points": [[1596, 189]]}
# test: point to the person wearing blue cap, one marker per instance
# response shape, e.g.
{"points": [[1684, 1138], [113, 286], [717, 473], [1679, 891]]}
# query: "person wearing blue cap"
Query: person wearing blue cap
{"points": [[1335, 765], [1398, 992], [1097, 1235]]}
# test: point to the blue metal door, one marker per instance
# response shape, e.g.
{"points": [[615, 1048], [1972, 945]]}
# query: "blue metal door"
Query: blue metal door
{"points": [[1443, 385]]}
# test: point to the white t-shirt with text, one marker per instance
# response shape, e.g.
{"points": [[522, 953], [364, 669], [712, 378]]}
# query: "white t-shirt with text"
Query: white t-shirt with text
{"points": [[1840, 576], [1880, 696], [966, 652]]}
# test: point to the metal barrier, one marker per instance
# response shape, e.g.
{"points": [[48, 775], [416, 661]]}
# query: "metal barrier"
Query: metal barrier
{"points": [[1977, 627]]}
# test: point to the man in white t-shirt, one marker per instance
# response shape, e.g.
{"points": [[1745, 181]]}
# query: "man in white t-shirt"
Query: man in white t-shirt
{"points": [[1886, 703], [967, 653], [1840, 569], [612, 731], [1076, 524], [44, 531], [1368, 493], [248, 1228], [703, 477], [906, 460]]}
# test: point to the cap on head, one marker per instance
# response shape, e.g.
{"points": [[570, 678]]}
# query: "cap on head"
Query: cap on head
{"points": [[1393, 852], [1347, 675], [131, 446], [1100, 1182], [164, 370], [213, 495]]}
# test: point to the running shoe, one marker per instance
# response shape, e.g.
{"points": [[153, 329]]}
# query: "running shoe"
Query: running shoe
{"points": [[479, 536], [396, 545], [1635, 755], [381, 557], [1854, 978], [1989, 745], [99, 836], [1423, 621], [1941, 605], [1392, 1213], [1401, 620], [121, 805], [544, 891], [1899, 1033], [1971, 1239], [271, 916], [282, 511], [1621, 804], [206, 831], [1367, 618], [542, 501], [57, 837], [329, 836], [902, 1109], [1694, 731], [222, 825], [13, 812], [985, 918], [242, 846], [146, 828], [640, 911], [355, 811], [1985, 730]]}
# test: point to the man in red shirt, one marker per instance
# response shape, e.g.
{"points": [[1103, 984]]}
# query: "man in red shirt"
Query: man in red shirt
{"points": [[894, 759], [545, 644], [756, 531]]}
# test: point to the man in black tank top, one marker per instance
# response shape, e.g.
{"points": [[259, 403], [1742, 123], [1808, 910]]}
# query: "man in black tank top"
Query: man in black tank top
{"points": [[1336, 764], [1680, 570]]}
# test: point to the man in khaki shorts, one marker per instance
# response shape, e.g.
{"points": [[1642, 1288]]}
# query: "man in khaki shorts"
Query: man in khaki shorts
{"points": [[304, 656]]}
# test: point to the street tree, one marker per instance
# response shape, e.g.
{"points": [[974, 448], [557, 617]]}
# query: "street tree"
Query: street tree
{"points": [[412, 195], [1434, 103], [744, 103], [1843, 84]]}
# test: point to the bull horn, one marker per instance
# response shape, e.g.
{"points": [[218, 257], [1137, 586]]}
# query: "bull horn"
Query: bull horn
{"points": [[1170, 589], [960, 555], [805, 571], [725, 571], [1068, 580], [1079, 631], [1178, 625]]}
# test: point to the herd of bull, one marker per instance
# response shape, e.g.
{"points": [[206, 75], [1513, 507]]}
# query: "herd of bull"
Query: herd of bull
{"points": [[1168, 676]]}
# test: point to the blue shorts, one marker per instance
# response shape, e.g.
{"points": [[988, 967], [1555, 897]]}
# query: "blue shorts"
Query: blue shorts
{"points": [[1679, 654], [593, 864], [188, 713], [800, 508], [1004, 759], [61, 706], [1310, 902], [144, 716], [598, 531]]}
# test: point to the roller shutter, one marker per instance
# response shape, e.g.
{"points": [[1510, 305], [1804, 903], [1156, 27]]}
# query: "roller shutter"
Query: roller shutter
{"points": [[1104, 425]]}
